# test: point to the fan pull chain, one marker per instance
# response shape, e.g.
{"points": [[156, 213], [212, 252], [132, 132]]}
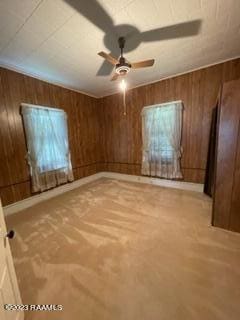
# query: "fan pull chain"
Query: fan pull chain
{"points": [[124, 103], [123, 87]]}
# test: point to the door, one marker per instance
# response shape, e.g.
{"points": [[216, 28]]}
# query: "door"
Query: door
{"points": [[226, 203], [9, 292], [210, 168]]}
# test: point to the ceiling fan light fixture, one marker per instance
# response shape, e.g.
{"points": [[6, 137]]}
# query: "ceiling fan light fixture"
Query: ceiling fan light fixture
{"points": [[122, 69], [122, 66]]}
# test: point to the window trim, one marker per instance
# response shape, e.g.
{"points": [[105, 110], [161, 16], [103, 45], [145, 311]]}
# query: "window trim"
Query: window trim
{"points": [[159, 105], [45, 108], [23, 104], [168, 169]]}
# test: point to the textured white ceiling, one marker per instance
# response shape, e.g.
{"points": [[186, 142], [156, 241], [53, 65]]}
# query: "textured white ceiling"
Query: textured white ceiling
{"points": [[51, 40]]}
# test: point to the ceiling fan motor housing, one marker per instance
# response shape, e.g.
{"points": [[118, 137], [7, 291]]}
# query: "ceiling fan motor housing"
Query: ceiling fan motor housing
{"points": [[122, 67]]}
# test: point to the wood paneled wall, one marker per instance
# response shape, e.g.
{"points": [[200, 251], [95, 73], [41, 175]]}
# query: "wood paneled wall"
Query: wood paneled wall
{"points": [[198, 90], [101, 137], [83, 127]]}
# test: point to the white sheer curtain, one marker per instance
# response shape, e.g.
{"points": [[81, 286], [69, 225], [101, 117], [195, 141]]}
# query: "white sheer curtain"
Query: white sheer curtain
{"points": [[161, 133], [47, 143]]}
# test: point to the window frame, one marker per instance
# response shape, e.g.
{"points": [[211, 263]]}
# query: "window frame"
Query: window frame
{"points": [[40, 166]]}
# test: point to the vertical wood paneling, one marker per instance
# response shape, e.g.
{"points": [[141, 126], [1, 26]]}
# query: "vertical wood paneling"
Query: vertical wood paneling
{"points": [[198, 90], [82, 124], [101, 137]]}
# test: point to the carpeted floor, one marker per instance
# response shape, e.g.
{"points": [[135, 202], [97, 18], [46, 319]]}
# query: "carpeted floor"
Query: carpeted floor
{"points": [[125, 251]]}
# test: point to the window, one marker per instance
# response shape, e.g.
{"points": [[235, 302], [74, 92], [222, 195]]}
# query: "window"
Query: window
{"points": [[161, 140], [47, 144], [53, 151]]}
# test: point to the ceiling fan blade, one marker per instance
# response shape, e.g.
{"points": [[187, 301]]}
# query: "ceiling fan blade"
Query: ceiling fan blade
{"points": [[115, 77], [94, 12], [180, 30], [108, 57], [106, 67], [142, 64]]}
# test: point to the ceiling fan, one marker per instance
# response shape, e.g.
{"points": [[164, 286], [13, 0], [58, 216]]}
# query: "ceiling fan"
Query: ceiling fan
{"points": [[122, 66], [96, 14]]}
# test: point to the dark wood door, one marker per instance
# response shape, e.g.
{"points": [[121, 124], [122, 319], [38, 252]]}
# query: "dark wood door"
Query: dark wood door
{"points": [[226, 208], [210, 168], [235, 205]]}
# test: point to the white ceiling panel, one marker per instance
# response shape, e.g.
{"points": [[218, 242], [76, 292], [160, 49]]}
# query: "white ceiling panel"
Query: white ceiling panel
{"points": [[113, 7], [39, 26], [164, 12], [52, 12], [22, 45], [8, 30], [53, 40], [22, 8], [185, 9], [137, 12]]}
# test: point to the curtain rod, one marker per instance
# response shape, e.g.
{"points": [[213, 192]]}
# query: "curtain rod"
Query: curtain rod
{"points": [[162, 104], [41, 107]]}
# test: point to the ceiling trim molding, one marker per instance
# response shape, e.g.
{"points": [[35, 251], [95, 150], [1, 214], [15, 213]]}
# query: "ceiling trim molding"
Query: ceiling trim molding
{"points": [[20, 70], [176, 75], [35, 76]]}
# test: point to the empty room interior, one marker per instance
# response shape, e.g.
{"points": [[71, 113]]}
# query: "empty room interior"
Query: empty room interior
{"points": [[119, 160]]}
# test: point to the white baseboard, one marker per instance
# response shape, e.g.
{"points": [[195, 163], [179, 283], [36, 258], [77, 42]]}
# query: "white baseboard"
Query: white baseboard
{"points": [[198, 187], [28, 202]]}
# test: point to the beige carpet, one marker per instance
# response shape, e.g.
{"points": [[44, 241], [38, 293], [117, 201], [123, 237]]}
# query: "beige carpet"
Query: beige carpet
{"points": [[115, 250]]}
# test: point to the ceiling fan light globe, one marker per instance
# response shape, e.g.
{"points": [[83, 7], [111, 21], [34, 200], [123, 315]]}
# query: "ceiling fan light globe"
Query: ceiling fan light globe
{"points": [[122, 69]]}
